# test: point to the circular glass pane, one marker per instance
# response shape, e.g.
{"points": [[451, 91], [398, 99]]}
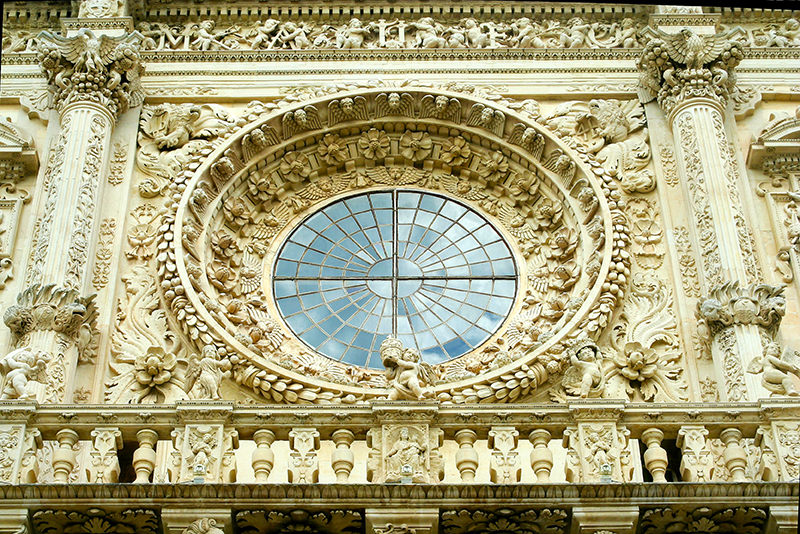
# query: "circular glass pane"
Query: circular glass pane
{"points": [[421, 267]]}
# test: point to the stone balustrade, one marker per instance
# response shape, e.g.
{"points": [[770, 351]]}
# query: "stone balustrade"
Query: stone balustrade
{"points": [[395, 442]]}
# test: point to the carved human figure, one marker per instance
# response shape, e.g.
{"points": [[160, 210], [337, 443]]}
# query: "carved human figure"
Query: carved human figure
{"points": [[405, 373], [294, 36], [205, 374], [427, 35], [22, 367], [264, 34], [206, 39], [574, 36], [587, 368], [777, 370], [352, 35], [405, 456]]}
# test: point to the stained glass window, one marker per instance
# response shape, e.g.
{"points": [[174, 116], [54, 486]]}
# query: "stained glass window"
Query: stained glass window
{"points": [[424, 268]]}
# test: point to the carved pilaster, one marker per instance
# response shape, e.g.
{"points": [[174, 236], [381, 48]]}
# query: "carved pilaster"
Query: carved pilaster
{"points": [[204, 453], [697, 461], [598, 449], [104, 466], [18, 463], [692, 77], [505, 465], [734, 322], [304, 467]]}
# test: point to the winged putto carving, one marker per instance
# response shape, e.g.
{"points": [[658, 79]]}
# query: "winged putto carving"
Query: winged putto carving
{"points": [[487, 118], [300, 120], [388, 104], [527, 138], [347, 109], [440, 107]]}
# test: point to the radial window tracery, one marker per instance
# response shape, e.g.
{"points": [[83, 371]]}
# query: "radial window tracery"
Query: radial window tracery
{"points": [[416, 265]]}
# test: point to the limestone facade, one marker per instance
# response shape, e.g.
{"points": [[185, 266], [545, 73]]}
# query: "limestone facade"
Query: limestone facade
{"points": [[633, 175]]}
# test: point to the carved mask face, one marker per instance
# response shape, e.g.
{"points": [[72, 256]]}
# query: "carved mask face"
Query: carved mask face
{"points": [[394, 100], [300, 116], [347, 105], [441, 103]]}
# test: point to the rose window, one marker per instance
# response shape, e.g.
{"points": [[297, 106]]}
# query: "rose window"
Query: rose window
{"points": [[419, 266]]}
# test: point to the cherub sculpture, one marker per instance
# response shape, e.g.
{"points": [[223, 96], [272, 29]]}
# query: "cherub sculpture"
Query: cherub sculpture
{"points": [[584, 378], [777, 368], [22, 368], [405, 372], [205, 374]]}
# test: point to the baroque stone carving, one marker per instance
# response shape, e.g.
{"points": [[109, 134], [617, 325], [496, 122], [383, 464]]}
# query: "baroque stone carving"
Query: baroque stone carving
{"points": [[424, 32], [145, 367], [405, 452], [544, 521], [647, 345], [60, 313], [292, 181], [91, 68], [777, 368], [598, 451], [203, 526], [405, 372], [23, 369], [103, 255], [741, 520], [203, 452], [614, 131], [276, 522], [95, 520], [676, 67]]}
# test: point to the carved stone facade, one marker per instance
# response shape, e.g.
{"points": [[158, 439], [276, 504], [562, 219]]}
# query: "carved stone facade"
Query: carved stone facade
{"points": [[397, 268]]}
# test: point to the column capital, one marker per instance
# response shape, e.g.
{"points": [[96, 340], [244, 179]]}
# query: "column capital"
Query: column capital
{"points": [[93, 68], [678, 68]]}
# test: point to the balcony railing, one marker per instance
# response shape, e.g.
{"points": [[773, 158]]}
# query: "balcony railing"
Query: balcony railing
{"points": [[398, 443]]}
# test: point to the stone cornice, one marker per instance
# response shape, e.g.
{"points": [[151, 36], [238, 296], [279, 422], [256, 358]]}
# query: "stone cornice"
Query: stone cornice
{"points": [[360, 495]]}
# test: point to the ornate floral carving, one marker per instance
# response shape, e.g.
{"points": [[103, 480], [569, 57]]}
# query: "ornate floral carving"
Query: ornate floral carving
{"points": [[144, 365], [677, 67], [741, 520], [87, 67], [226, 277], [103, 255], [95, 521], [277, 522], [647, 345], [542, 521]]}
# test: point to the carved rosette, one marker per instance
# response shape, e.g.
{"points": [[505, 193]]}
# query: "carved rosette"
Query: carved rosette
{"points": [[242, 191], [87, 68], [676, 68]]}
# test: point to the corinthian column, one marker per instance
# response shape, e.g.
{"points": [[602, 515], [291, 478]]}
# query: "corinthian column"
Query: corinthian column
{"points": [[692, 76], [94, 79]]}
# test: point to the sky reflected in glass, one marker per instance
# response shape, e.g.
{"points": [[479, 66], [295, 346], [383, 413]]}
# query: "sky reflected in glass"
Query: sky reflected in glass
{"points": [[419, 266]]}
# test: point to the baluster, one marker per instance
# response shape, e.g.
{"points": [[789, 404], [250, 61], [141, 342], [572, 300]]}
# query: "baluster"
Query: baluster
{"points": [[735, 456], [541, 455], [263, 458], [466, 457], [144, 458], [342, 459], [655, 457], [64, 457]]}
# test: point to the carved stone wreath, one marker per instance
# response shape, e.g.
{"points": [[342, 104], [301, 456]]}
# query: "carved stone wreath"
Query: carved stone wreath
{"points": [[238, 198]]}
